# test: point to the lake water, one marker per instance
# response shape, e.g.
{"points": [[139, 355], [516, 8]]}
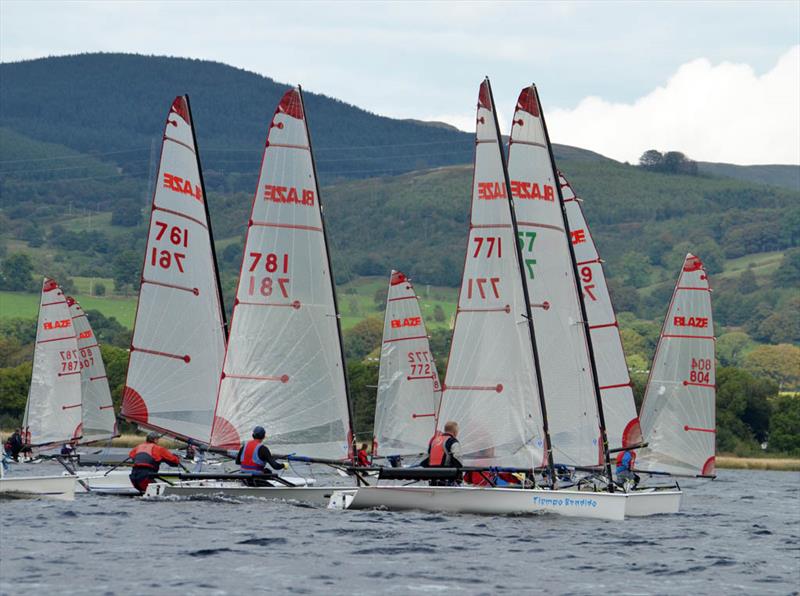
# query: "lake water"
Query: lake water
{"points": [[738, 534]]}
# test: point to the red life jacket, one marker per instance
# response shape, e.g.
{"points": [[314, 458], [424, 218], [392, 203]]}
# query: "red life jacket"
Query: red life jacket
{"points": [[438, 453], [251, 462], [362, 457], [150, 455]]}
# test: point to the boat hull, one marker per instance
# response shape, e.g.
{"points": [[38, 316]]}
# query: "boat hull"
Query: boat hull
{"points": [[492, 501], [317, 495], [49, 487], [653, 502]]}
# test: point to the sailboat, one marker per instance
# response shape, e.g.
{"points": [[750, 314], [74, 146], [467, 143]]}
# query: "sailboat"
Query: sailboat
{"points": [[623, 428], [409, 390], [678, 412], [53, 410], [98, 421], [284, 366], [501, 385]]}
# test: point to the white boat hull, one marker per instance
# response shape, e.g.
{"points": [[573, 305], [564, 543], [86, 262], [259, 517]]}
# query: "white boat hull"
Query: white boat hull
{"points": [[103, 482], [317, 495], [493, 501], [653, 502], [49, 487]]}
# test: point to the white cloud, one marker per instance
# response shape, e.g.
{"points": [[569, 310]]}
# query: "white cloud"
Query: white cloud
{"points": [[723, 112]]}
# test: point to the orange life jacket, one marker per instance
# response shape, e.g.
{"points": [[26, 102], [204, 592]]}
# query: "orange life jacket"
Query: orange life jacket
{"points": [[150, 455], [362, 457], [438, 452], [251, 462]]}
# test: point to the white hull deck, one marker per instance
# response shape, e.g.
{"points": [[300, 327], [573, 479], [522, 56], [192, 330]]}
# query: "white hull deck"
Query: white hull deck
{"points": [[115, 482], [49, 487], [500, 501], [317, 495]]}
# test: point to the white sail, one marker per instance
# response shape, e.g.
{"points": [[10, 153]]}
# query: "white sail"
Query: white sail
{"points": [[97, 410], [678, 413], [179, 336], [562, 343], [53, 411], [490, 388], [619, 408], [284, 366], [408, 383]]}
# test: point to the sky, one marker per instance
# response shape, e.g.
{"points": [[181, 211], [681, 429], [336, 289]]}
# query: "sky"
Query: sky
{"points": [[718, 80]]}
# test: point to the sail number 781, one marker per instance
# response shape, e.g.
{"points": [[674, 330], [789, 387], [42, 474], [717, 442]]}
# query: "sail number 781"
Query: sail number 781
{"points": [[272, 263]]}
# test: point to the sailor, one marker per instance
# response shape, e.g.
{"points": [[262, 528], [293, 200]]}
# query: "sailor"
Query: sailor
{"points": [[147, 458], [254, 456], [362, 458], [14, 445], [625, 462], [444, 451]]}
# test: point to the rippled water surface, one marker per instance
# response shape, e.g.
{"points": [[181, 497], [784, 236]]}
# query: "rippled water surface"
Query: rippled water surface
{"points": [[739, 534]]}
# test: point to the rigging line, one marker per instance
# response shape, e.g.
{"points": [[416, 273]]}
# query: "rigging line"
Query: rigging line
{"points": [[81, 156], [104, 165]]}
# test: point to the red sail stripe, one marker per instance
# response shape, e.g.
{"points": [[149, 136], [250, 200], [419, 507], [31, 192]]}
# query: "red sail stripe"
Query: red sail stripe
{"points": [[185, 358], [44, 341], [423, 415], [70, 407], [98, 378], [505, 309], [295, 305], [282, 378], [614, 324], [66, 374], [266, 224], [497, 388], [89, 347], [402, 298], [79, 316], [701, 430], [194, 291], [405, 338], [689, 336], [691, 288], [285, 146], [531, 224], [605, 387], [179, 214], [685, 383], [189, 147], [589, 262], [418, 378], [111, 407], [52, 303]]}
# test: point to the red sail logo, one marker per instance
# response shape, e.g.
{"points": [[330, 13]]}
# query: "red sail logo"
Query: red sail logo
{"points": [[531, 190], [289, 194], [49, 325], [178, 184], [488, 191], [409, 322], [697, 322], [85, 334]]}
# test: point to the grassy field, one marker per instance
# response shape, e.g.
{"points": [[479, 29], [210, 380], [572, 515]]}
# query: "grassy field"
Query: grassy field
{"points": [[21, 305], [782, 464], [764, 263]]}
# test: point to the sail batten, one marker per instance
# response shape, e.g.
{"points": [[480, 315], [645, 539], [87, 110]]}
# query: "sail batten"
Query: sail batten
{"points": [[622, 423], [408, 382], [491, 386], [179, 331], [53, 410], [678, 412], [284, 366]]}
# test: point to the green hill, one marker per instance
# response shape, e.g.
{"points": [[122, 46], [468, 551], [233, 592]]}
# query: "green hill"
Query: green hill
{"points": [[775, 175]]}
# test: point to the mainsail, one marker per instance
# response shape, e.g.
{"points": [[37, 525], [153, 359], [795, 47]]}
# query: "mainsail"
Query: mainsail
{"points": [[678, 413], [53, 411], [619, 408], [490, 387], [408, 383], [97, 410], [562, 342], [179, 334], [284, 367]]}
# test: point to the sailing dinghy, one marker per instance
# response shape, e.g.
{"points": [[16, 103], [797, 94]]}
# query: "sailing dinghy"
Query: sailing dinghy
{"points": [[408, 382], [496, 386], [53, 410], [678, 412], [284, 365]]}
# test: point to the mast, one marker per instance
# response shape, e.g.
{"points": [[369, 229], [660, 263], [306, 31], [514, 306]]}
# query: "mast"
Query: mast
{"points": [[585, 319], [208, 220], [528, 313], [352, 436]]}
